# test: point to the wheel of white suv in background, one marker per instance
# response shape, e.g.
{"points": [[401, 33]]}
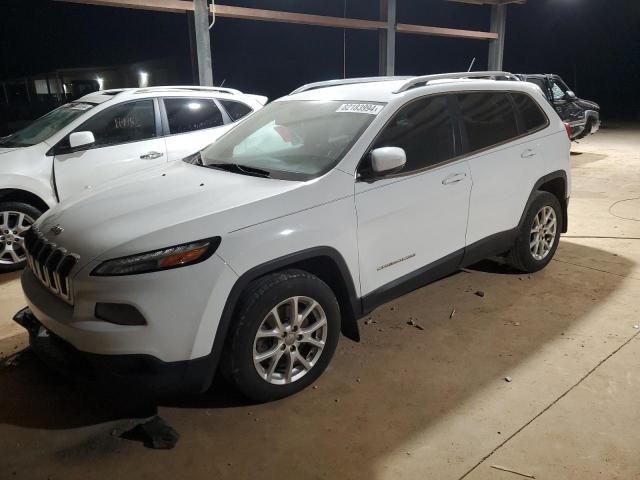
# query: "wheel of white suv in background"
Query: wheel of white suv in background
{"points": [[285, 331], [538, 238], [15, 219]]}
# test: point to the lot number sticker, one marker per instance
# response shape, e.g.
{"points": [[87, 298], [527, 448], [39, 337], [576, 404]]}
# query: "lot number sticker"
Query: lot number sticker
{"points": [[370, 108]]}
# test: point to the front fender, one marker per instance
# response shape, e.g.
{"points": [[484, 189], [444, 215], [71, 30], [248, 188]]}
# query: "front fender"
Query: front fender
{"points": [[34, 186]]}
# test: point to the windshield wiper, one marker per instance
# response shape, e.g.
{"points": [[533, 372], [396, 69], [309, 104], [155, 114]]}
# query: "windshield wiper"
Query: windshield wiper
{"points": [[241, 169]]}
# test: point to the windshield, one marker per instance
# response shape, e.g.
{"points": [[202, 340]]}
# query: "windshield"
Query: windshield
{"points": [[293, 140], [45, 126]]}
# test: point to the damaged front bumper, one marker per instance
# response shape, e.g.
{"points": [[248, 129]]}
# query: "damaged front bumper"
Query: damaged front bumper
{"points": [[142, 373]]}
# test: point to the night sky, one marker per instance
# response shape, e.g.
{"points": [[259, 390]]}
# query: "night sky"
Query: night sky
{"points": [[593, 44]]}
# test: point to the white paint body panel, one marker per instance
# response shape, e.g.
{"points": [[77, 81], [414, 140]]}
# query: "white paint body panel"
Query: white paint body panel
{"points": [[413, 220], [260, 220]]}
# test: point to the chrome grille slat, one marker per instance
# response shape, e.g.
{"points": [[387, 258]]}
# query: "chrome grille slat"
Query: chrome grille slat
{"points": [[51, 264]]}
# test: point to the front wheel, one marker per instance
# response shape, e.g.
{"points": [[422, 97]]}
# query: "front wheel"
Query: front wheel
{"points": [[15, 219], [286, 330], [539, 235]]}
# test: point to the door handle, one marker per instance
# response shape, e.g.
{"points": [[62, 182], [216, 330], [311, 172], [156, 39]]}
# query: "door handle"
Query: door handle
{"points": [[528, 153], [151, 155], [454, 178]]}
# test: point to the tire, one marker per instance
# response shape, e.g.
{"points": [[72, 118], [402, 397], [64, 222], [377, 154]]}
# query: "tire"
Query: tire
{"points": [[586, 132], [12, 254], [524, 255], [263, 381]]}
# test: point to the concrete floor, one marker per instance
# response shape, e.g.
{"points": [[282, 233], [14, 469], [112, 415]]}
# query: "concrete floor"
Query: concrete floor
{"points": [[404, 403]]}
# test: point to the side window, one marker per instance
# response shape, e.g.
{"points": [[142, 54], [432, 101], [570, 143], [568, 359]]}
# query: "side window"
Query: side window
{"points": [[532, 116], [559, 90], [128, 122], [191, 114], [236, 110], [488, 117], [539, 82], [424, 129]]}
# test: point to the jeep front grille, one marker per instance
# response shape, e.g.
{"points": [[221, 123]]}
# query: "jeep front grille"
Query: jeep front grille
{"points": [[50, 263]]}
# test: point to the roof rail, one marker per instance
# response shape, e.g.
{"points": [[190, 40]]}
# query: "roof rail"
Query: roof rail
{"points": [[345, 81], [230, 91], [424, 80]]}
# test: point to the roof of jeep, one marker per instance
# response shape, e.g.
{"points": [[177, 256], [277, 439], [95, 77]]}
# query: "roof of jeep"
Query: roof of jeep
{"points": [[387, 90]]}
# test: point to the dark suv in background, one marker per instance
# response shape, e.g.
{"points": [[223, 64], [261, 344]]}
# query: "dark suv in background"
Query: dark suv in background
{"points": [[582, 115]]}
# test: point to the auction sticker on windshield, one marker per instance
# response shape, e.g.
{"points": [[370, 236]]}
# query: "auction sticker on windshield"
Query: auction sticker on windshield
{"points": [[370, 108]]}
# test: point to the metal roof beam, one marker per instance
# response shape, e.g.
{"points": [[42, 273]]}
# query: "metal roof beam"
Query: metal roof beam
{"points": [[228, 11]]}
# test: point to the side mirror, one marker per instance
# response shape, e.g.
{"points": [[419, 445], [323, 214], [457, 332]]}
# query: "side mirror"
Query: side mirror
{"points": [[81, 139], [387, 159], [570, 95]]}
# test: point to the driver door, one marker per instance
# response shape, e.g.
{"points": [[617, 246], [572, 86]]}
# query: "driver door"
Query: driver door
{"points": [[412, 224], [127, 140]]}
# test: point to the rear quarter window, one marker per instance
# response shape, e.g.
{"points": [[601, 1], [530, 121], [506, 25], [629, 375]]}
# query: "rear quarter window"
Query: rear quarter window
{"points": [[236, 110], [532, 117]]}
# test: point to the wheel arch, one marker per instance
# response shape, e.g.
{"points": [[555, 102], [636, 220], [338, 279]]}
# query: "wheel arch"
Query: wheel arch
{"points": [[23, 196], [324, 262], [556, 184]]}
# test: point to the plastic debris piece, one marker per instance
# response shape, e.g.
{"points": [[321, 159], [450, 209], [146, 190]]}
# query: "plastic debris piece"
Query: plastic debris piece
{"points": [[508, 379], [636, 327], [414, 324], [453, 312]]}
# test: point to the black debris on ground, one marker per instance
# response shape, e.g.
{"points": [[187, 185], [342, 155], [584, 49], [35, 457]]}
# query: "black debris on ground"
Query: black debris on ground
{"points": [[154, 433]]}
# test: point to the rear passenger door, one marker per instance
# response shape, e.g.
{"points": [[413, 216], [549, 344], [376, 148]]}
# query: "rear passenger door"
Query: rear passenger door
{"points": [[418, 216], [505, 158], [190, 124]]}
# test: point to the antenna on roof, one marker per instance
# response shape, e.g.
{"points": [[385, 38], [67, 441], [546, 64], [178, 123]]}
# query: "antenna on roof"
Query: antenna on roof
{"points": [[473, 62], [223, 82]]}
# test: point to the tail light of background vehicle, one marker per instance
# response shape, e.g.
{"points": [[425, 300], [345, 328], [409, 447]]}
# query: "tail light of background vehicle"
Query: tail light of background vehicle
{"points": [[569, 129]]}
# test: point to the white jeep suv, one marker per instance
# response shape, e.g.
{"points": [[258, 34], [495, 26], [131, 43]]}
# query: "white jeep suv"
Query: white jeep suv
{"points": [[259, 250], [99, 137]]}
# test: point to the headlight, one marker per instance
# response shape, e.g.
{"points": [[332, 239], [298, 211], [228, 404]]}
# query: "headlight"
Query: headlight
{"points": [[164, 259]]}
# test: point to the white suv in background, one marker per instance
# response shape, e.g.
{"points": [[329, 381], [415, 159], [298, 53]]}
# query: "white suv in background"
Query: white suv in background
{"points": [[259, 250], [102, 136]]}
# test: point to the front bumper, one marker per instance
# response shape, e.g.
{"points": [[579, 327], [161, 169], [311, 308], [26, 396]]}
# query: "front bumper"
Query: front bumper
{"points": [[140, 373], [589, 125]]}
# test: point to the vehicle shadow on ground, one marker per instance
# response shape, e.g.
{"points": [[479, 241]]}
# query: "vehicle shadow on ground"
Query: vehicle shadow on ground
{"points": [[377, 395], [581, 159]]}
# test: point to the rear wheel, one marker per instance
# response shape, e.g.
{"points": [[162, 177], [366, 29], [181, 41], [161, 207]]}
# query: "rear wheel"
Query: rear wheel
{"points": [[286, 331], [15, 219], [538, 238]]}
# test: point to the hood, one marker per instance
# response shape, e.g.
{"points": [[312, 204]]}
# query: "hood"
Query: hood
{"points": [[160, 208], [7, 150], [588, 105]]}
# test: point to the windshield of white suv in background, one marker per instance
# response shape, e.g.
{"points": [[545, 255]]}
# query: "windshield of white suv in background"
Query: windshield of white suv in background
{"points": [[292, 140], [47, 125]]}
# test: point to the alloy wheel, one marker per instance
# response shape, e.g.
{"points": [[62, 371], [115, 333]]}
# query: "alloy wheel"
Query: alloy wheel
{"points": [[290, 340], [13, 226], [543, 233]]}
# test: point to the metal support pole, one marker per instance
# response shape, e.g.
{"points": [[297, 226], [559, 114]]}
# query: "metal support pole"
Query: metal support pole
{"points": [[499, 26], [203, 42], [387, 38], [193, 54]]}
